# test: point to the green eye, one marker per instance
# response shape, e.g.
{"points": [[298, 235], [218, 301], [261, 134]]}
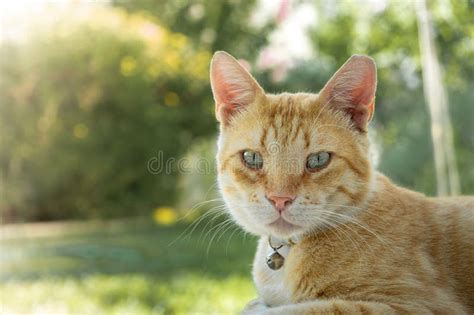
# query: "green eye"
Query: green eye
{"points": [[252, 159], [317, 161]]}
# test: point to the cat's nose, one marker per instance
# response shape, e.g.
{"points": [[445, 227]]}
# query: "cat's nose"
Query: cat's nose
{"points": [[280, 202]]}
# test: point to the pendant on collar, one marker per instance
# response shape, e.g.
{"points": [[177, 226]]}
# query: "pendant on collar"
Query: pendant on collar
{"points": [[275, 260]]}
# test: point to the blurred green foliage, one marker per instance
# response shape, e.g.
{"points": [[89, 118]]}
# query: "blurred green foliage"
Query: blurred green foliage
{"points": [[212, 25], [83, 109]]}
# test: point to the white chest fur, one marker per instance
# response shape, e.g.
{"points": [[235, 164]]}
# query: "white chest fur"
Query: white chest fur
{"points": [[270, 283]]}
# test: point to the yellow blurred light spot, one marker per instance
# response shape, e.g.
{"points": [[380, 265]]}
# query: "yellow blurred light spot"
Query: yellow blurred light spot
{"points": [[128, 65], [201, 65], [171, 99], [80, 131], [165, 215], [177, 41], [172, 59]]}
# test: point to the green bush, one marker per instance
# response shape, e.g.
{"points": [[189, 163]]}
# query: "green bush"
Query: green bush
{"points": [[86, 102]]}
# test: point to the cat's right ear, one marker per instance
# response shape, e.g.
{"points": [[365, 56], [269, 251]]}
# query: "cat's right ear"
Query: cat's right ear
{"points": [[233, 87], [352, 90]]}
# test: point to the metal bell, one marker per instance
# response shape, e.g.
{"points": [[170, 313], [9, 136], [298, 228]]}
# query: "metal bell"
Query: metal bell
{"points": [[275, 261]]}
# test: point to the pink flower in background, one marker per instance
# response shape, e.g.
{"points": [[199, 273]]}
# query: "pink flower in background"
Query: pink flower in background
{"points": [[289, 41], [283, 11], [276, 60]]}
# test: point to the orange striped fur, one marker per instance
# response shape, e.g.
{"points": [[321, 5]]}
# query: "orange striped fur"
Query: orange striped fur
{"points": [[363, 244]]}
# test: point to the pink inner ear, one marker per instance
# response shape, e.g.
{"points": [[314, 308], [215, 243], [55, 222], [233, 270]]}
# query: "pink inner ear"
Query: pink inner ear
{"points": [[232, 85], [223, 95], [218, 86], [363, 102], [228, 94], [362, 114], [225, 103], [352, 89], [228, 98], [363, 94]]}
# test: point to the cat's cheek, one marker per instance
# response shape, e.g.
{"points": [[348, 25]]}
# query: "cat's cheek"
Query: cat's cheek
{"points": [[236, 205], [244, 220], [246, 178], [229, 190]]}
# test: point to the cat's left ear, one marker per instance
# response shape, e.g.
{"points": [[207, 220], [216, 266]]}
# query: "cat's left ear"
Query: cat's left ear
{"points": [[352, 89], [233, 87]]}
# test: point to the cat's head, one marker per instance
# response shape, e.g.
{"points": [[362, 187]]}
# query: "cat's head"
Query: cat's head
{"points": [[289, 163]]}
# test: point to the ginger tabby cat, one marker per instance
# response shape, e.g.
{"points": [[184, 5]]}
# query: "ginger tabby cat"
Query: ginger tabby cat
{"points": [[296, 168]]}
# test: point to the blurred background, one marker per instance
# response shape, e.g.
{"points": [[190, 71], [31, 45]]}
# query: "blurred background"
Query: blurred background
{"points": [[102, 101]]}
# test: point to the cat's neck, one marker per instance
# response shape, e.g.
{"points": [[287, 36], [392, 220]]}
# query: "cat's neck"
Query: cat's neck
{"points": [[384, 191]]}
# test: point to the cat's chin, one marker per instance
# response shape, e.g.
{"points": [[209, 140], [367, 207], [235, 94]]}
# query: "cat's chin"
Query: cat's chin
{"points": [[283, 228]]}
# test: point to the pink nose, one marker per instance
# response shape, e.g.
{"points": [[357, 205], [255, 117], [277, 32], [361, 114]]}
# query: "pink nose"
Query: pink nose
{"points": [[280, 202]]}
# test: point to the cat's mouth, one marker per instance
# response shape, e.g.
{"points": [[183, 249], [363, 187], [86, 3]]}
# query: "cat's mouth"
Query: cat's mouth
{"points": [[283, 226]]}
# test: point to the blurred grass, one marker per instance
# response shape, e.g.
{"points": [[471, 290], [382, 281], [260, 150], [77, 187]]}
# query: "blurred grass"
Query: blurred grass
{"points": [[129, 268]]}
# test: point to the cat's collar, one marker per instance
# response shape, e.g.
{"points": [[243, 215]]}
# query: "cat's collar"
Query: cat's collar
{"points": [[275, 260], [278, 242]]}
